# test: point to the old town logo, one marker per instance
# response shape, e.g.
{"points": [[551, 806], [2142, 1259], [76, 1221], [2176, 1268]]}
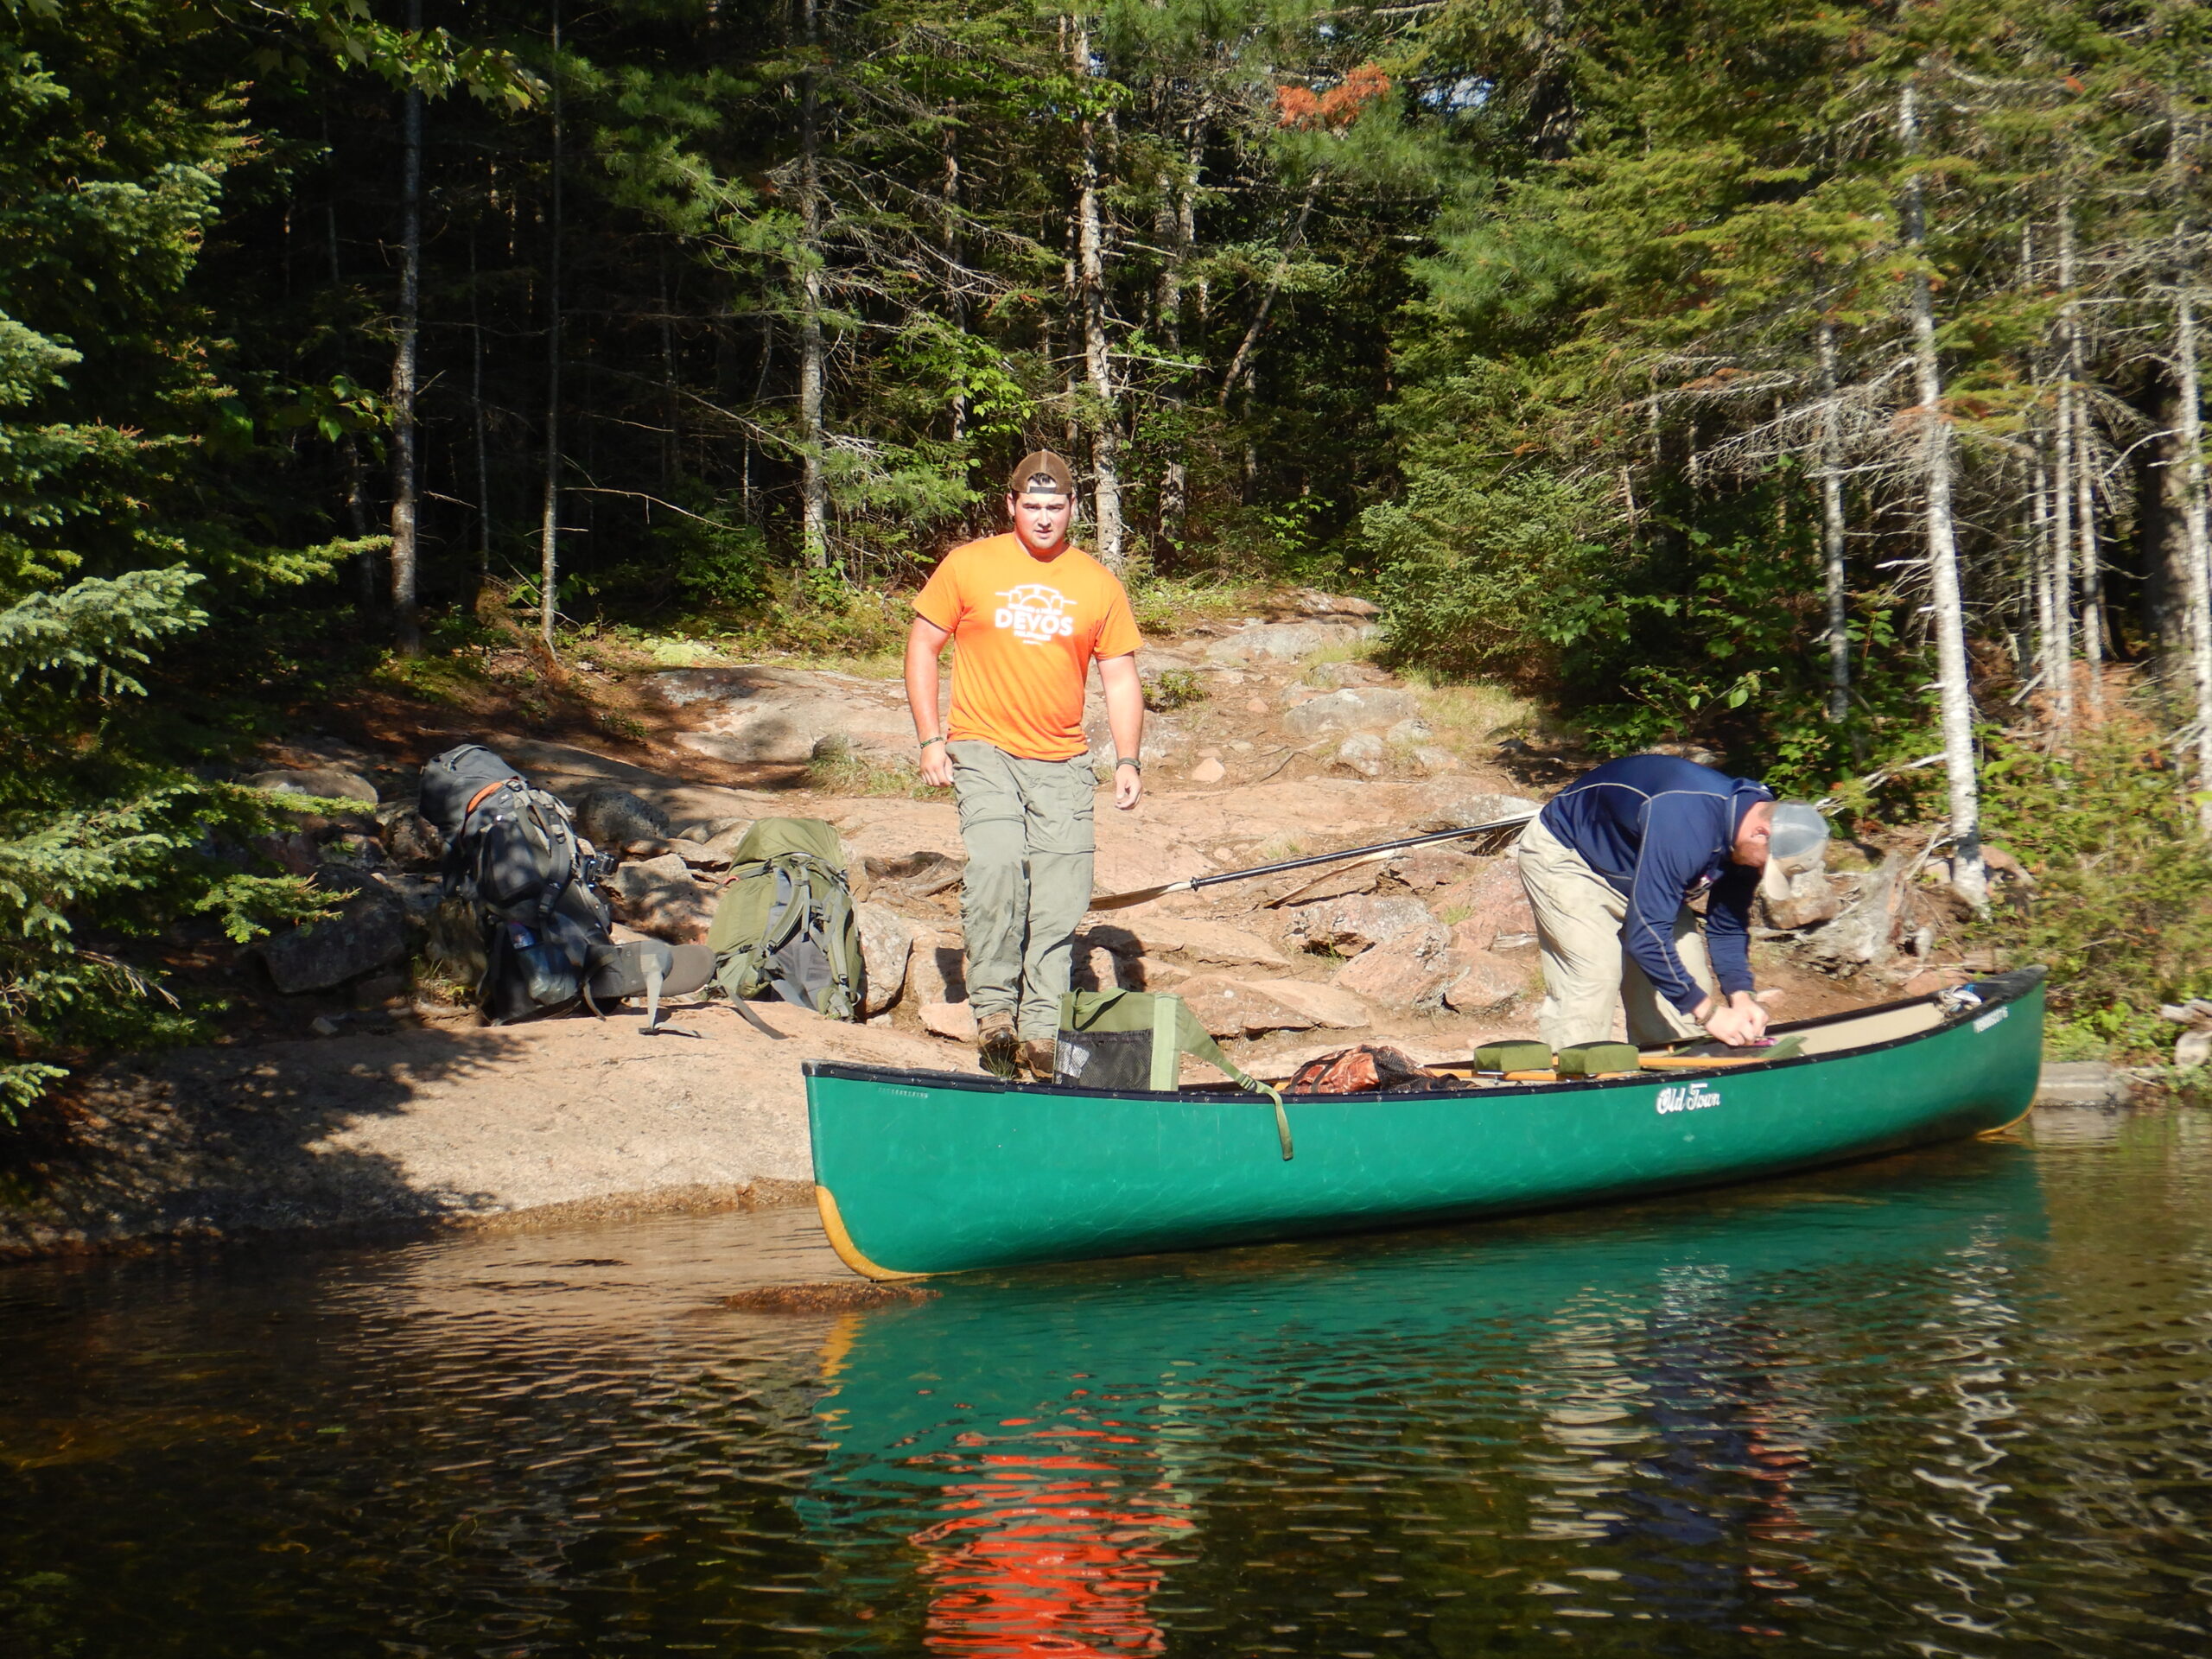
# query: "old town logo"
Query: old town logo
{"points": [[1688, 1097], [1037, 615]]}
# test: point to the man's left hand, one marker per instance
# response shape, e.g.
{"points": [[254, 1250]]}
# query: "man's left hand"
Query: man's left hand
{"points": [[1128, 787]]}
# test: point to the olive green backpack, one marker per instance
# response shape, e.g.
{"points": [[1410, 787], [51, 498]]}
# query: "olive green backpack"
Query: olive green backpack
{"points": [[784, 927]]}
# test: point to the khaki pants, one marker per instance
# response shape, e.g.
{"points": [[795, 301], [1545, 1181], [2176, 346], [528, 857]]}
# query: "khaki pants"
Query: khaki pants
{"points": [[1587, 975], [1026, 825]]}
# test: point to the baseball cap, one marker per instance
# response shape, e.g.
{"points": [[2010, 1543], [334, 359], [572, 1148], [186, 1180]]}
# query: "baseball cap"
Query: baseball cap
{"points": [[1044, 461]]}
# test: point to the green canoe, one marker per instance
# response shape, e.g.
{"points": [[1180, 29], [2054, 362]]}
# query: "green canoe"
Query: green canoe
{"points": [[930, 1172]]}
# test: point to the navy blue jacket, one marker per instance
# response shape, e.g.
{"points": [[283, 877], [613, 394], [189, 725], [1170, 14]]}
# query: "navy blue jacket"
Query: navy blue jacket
{"points": [[1660, 830]]}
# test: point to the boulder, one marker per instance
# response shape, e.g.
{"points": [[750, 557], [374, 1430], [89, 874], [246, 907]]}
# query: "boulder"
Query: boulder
{"points": [[1312, 601], [886, 942], [1283, 641], [294, 854], [1235, 1007], [1336, 674], [1352, 924], [953, 1020], [911, 876], [1209, 771], [1488, 906], [1431, 759], [351, 849], [1329, 1007], [1806, 900], [1485, 983], [1303, 888], [368, 934], [1410, 971], [937, 969], [698, 855], [329, 782], [1194, 937], [1409, 733], [1864, 934], [410, 841], [1367, 709], [1427, 868], [2083, 1083], [659, 897], [1450, 803], [614, 817], [1363, 753]]}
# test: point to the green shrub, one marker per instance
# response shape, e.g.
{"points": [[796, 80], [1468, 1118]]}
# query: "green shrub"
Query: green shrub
{"points": [[1486, 574], [2121, 910]]}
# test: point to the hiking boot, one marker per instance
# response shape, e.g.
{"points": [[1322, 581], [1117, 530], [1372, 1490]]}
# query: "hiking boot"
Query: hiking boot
{"points": [[1041, 1058], [997, 1049]]}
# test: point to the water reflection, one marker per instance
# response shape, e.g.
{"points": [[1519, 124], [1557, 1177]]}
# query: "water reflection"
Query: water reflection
{"points": [[1649, 1395], [1952, 1404]]}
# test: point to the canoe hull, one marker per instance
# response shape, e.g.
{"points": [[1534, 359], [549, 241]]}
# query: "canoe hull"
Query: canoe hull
{"points": [[925, 1173]]}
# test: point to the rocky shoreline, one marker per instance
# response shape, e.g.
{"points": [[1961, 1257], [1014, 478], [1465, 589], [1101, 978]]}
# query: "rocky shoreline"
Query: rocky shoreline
{"points": [[365, 1097]]}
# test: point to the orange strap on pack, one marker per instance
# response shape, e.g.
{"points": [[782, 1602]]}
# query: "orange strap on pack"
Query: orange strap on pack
{"points": [[480, 796]]}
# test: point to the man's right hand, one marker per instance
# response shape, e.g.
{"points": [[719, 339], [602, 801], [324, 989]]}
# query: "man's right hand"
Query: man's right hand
{"points": [[1740, 1021], [936, 765]]}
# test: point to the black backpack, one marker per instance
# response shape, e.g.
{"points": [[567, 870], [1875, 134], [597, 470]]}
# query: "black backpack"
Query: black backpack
{"points": [[512, 858]]}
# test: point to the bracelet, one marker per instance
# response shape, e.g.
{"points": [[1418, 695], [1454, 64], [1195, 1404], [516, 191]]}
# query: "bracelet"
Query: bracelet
{"points": [[928, 741], [1129, 761]]}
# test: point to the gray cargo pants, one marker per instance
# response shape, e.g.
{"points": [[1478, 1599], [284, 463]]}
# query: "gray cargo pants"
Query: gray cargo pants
{"points": [[1587, 975], [1027, 828]]}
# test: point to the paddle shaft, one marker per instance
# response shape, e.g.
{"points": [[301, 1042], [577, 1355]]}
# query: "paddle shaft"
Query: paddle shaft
{"points": [[1197, 881]]}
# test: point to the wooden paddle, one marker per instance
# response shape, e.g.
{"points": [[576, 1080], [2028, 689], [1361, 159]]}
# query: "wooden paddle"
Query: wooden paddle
{"points": [[1146, 896]]}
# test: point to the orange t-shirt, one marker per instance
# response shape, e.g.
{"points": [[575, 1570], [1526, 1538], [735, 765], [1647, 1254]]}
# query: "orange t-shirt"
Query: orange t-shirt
{"points": [[1024, 630]]}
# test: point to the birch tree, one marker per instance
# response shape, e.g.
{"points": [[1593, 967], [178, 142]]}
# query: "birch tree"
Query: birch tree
{"points": [[1954, 688]]}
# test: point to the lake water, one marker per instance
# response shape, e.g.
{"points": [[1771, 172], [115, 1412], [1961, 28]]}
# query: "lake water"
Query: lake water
{"points": [[1955, 1403]]}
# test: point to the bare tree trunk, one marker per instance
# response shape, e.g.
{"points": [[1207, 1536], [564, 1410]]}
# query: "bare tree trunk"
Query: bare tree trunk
{"points": [[814, 490], [548, 542], [1832, 532], [671, 441], [2047, 648], [2076, 433], [1955, 686], [2194, 532], [2061, 548], [1181, 236], [1236, 364], [1090, 289], [405, 457], [955, 296], [476, 416]]}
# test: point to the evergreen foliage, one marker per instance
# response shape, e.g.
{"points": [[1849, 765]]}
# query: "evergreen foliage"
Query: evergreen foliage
{"points": [[1593, 336]]}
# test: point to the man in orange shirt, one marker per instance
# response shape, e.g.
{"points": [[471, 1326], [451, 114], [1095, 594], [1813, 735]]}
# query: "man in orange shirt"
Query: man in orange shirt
{"points": [[1028, 615]]}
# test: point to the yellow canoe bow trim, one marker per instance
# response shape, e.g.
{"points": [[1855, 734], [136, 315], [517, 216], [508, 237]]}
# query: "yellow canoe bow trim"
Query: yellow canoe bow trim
{"points": [[825, 1204]]}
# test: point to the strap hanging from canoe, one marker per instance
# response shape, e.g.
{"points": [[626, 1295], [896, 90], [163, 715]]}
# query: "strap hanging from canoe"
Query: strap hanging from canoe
{"points": [[1282, 1121]]}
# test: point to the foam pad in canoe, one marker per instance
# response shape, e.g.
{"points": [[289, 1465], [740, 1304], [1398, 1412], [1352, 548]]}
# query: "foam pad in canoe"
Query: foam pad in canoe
{"points": [[1513, 1055], [1781, 1048], [1591, 1060]]}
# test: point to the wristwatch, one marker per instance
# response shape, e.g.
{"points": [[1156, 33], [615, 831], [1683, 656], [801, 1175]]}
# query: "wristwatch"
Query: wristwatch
{"points": [[928, 741], [1130, 760]]}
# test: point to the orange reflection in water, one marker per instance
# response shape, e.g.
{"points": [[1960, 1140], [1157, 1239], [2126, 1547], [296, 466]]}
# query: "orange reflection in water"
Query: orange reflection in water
{"points": [[1051, 1551]]}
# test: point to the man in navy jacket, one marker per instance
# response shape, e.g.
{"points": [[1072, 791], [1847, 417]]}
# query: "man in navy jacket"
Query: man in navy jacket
{"points": [[1611, 866]]}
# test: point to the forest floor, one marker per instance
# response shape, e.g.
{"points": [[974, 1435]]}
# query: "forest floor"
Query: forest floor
{"points": [[381, 1102]]}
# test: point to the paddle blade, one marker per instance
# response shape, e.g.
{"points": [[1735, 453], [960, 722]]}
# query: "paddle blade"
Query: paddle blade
{"points": [[1141, 896]]}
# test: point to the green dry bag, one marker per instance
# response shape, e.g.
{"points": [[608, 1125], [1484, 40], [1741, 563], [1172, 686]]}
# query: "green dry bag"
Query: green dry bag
{"points": [[1128, 1041]]}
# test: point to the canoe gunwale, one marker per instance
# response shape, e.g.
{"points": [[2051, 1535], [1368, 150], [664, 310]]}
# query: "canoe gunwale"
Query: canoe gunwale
{"points": [[2009, 987]]}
